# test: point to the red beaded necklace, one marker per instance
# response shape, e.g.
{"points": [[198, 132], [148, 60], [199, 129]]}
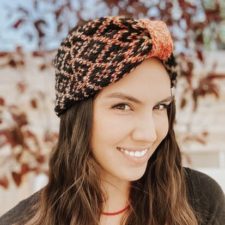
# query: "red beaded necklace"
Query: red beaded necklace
{"points": [[115, 213]]}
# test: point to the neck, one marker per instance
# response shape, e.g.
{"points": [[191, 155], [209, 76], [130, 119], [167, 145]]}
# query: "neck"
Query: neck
{"points": [[117, 195]]}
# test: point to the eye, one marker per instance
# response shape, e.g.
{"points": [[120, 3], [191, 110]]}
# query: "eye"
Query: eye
{"points": [[122, 107], [162, 106]]}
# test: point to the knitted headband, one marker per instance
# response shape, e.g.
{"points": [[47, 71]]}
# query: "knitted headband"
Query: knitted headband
{"points": [[104, 50]]}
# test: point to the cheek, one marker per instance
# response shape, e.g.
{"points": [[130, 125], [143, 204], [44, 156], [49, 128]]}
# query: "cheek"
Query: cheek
{"points": [[162, 125], [109, 128]]}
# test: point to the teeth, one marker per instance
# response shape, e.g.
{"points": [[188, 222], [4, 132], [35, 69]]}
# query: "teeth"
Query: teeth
{"points": [[134, 153]]}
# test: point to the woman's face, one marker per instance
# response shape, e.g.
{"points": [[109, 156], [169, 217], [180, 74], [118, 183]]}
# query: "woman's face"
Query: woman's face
{"points": [[130, 120]]}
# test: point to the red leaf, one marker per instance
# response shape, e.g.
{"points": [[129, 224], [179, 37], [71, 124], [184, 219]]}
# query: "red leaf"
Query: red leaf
{"points": [[40, 159], [199, 38], [205, 133], [38, 25], [20, 119], [200, 55], [16, 137], [130, 2], [25, 168], [2, 101], [112, 2], [33, 103], [12, 63], [4, 54], [59, 11], [4, 182], [18, 23], [21, 62], [43, 66], [183, 103], [213, 76], [184, 5], [17, 178], [38, 54]]}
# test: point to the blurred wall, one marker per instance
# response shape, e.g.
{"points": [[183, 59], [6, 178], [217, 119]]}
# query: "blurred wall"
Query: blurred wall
{"points": [[209, 157]]}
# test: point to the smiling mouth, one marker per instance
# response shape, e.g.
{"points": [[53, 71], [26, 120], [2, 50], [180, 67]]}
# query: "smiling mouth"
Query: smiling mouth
{"points": [[134, 153]]}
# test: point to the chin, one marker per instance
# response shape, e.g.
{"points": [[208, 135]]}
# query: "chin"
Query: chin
{"points": [[135, 175]]}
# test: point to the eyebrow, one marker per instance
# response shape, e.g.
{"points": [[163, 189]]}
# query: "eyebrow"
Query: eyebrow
{"points": [[132, 99]]}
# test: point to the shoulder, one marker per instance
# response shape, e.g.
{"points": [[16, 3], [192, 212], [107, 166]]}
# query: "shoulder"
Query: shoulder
{"points": [[202, 181], [21, 212], [206, 196]]}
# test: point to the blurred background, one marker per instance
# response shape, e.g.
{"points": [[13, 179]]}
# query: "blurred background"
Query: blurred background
{"points": [[31, 31]]}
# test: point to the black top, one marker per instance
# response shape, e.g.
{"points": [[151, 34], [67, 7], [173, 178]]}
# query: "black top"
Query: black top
{"points": [[205, 196]]}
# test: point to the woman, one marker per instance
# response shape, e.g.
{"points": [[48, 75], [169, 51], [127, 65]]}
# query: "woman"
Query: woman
{"points": [[117, 160]]}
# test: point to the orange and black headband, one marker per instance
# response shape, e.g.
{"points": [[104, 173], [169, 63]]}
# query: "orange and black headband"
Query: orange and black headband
{"points": [[104, 50]]}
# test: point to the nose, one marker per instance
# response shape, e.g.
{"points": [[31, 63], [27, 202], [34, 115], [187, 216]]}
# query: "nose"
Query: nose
{"points": [[145, 130]]}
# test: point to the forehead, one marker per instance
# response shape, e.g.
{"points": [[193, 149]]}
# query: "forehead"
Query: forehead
{"points": [[148, 80]]}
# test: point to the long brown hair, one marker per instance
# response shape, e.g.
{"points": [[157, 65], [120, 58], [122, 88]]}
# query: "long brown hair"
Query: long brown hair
{"points": [[73, 194]]}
